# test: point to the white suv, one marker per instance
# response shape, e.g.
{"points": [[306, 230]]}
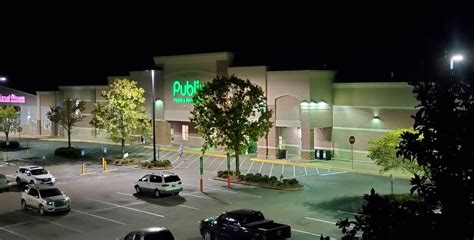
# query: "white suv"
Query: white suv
{"points": [[159, 183], [45, 199], [34, 175]]}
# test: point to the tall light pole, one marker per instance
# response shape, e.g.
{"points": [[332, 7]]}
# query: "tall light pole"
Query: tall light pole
{"points": [[455, 58], [153, 112]]}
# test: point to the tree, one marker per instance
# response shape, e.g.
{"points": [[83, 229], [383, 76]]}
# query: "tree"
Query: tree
{"points": [[384, 152], [230, 112], [123, 114], [441, 143], [8, 121], [67, 115], [445, 119]]}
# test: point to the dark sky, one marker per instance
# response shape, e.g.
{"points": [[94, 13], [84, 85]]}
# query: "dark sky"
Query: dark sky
{"points": [[48, 43]]}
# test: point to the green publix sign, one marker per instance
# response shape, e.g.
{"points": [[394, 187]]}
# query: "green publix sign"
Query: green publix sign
{"points": [[184, 92]]}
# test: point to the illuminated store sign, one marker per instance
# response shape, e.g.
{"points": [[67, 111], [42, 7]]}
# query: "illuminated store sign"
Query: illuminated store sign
{"points": [[12, 98], [184, 92]]}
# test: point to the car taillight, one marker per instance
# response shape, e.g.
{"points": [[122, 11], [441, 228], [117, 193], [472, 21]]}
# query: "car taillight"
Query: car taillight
{"points": [[165, 185]]}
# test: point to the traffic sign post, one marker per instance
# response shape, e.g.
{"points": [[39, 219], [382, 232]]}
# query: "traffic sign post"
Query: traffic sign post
{"points": [[201, 171], [352, 141], [229, 177]]}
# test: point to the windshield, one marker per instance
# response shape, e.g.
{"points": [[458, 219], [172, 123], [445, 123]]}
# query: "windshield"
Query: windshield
{"points": [[50, 192], [172, 178], [38, 172]]}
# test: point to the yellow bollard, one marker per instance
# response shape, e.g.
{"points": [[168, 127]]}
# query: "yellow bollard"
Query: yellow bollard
{"points": [[82, 169]]}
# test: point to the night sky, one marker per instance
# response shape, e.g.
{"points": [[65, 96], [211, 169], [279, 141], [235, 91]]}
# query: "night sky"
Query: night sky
{"points": [[43, 45]]}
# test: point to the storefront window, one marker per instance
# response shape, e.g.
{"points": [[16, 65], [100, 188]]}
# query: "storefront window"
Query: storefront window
{"points": [[185, 132]]}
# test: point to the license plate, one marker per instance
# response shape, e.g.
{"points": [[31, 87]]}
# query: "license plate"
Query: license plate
{"points": [[173, 185]]}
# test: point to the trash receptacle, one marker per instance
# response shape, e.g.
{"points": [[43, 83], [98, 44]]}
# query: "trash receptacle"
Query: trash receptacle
{"points": [[321, 152], [281, 154], [326, 155], [316, 154]]}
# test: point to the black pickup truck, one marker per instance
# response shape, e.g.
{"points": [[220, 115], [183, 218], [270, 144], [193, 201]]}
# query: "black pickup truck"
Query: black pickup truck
{"points": [[243, 224]]}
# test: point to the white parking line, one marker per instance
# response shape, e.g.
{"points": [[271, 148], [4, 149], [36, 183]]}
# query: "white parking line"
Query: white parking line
{"points": [[93, 215], [177, 158], [317, 170], [311, 174], [14, 233], [165, 154], [242, 163], [133, 209], [192, 161], [309, 233], [44, 220], [203, 197], [221, 190], [282, 169], [333, 173], [248, 170], [218, 166], [158, 200], [260, 170], [306, 171], [215, 158], [319, 220], [271, 170], [294, 171], [348, 212]]}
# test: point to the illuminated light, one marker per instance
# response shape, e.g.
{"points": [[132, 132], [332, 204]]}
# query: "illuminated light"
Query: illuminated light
{"points": [[304, 103], [183, 92], [322, 103], [12, 98], [455, 58], [3, 79]]}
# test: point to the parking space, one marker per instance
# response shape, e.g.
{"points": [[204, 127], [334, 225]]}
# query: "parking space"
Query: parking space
{"points": [[105, 206]]}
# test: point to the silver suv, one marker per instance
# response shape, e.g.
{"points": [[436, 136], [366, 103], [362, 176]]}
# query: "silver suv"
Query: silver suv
{"points": [[45, 199], [159, 183], [34, 175]]}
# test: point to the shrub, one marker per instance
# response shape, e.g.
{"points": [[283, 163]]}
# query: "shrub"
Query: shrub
{"points": [[159, 164], [224, 174], [68, 152], [252, 148], [265, 179], [286, 181], [12, 145], [273, 179], [293, 181]]}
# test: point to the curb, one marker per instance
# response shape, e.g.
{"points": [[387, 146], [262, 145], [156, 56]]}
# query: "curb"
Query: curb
{"points": [[249, 184], [87, 173]]}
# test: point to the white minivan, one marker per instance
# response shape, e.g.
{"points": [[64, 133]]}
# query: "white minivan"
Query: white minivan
{"points": [[159, 183]]}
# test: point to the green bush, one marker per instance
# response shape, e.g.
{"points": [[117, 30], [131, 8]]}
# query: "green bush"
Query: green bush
{"points": [[68, 152], [273, 179], [252, 148], [12, 145], [265, 179], [293, 181], [159, 164], [286, 181]]}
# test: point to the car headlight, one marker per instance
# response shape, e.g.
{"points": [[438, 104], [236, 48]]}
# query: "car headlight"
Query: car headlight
{"points": [[49, 203]]}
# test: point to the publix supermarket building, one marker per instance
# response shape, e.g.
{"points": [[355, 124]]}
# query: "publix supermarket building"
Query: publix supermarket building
{"points": [[310, 110]]}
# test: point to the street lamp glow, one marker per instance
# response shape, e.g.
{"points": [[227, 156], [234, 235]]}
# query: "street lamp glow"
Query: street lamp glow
{"points": [[3, 79], [455, 58]]}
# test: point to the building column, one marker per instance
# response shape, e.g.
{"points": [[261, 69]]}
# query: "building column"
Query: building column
{"points": [[307, 135], [267, 147]]}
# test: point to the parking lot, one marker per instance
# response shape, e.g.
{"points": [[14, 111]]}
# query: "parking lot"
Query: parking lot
{"points": [[104, 205]]}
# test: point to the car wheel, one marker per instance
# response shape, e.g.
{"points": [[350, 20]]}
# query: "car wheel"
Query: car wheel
{"points": [[41, 210], [208, 236], [157, 193], [137, 189], [18, 181], [32, 182], [23, 205], [176, 193]]}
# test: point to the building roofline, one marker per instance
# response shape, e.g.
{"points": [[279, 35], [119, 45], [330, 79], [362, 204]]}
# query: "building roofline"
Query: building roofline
{"points": [[22, 92], [373, 85], [200, 57]]}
